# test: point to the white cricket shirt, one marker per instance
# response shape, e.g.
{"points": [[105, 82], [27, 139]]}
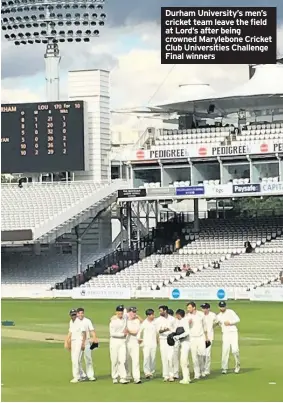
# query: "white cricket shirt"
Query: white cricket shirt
{"points": [[165, 323], [117, 327], [148, 333], [230, 316], [210, 319], [76, 328], [88, 326], [197, 327], [133, 325], [185, 324]]}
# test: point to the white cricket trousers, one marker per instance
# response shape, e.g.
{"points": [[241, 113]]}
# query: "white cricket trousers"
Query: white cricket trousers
{"points": [[207, 359], [184, 360], [197, 345], [167, 354], [133, 360], [230, 341], [88, 362], [149, 359], [118, 358], [176, 360], [76, 357]]}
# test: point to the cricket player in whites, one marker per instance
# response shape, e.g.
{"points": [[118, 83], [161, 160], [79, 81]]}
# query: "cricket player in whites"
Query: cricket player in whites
{"points": [[90, 338], [118, 333], [176, 347], [184, 342], [75, 342], [132, 346], [166, 326], [148, 336], [198, 337], [210, 321], [228, 319]]}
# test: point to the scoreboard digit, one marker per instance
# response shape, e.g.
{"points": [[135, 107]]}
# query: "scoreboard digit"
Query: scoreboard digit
{"points": [[42, 137]]}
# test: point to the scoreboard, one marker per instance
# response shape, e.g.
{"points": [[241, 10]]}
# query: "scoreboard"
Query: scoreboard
{"points": [[42, 137]]}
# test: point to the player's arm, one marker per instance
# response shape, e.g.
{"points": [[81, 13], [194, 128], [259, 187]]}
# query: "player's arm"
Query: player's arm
{"points": [[92, 332], [84, 338], [140, 318], [185, 334], [204, 328], [114, 333], [67, 343], [234, 320], [140, 332]]}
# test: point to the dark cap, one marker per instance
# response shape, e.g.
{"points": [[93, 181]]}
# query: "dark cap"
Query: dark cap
{"points": [[73, 312], [170, 312], [222, 304], [120, 308], [206, 305], [133, 309]]}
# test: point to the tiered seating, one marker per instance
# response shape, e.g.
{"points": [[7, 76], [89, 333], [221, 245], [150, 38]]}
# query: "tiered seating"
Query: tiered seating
{"points": [[35, 203], [229, 236], [27, 270], [144, 274], [246, 270], [215, 135], [260, 132], [218, 240]]}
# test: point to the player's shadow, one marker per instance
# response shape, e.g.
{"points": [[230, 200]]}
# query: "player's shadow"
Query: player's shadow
{"points": [[217, 373]]}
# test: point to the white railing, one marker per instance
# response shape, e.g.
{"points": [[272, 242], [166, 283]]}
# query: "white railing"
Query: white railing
{"points": [[149, 133]]}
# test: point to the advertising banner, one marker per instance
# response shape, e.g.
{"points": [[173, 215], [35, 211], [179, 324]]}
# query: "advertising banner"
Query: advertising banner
{"points": [[190, 191], [270, 294], [250, 188], [191, 294], [131, 193], [218, 190], [276, 187], [209, 150], [165, 191], [101, 293]]}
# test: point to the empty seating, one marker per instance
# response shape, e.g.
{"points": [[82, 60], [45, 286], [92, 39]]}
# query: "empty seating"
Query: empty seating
{"points": [[260, 132], [36, 203], [218, 240], [42, 271], [214, 135]]}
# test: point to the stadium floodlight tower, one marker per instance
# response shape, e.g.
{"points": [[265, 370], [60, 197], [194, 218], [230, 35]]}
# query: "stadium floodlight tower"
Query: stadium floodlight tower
{"points": [[29, 22]]}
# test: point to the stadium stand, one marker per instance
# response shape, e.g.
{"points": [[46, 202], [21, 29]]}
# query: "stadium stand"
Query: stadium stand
{"points": [[51, 209], [215, 135], [218, 240], [27, 270]]}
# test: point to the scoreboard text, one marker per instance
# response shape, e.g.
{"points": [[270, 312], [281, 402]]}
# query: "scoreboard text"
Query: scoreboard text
{"points": [[42, 137]]}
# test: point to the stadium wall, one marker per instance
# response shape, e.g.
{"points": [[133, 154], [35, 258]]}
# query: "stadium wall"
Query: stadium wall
{"points": [[268, 294]]}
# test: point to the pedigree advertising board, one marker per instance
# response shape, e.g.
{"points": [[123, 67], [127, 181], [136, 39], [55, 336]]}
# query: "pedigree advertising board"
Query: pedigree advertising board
{"points": [[209, 150]]}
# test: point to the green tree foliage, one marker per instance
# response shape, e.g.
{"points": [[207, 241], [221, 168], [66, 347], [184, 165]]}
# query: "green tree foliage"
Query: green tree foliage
{"points": [[256, 206]]}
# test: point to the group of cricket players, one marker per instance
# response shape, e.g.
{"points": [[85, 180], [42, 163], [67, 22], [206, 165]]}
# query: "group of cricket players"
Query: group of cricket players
{"points": [[177, 334]]}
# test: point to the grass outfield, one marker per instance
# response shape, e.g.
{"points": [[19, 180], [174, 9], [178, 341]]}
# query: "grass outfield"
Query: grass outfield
{"points": [[34, 369]]}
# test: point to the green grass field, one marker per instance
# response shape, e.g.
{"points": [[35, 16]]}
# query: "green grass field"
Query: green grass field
{"points": [[36, 370]]}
